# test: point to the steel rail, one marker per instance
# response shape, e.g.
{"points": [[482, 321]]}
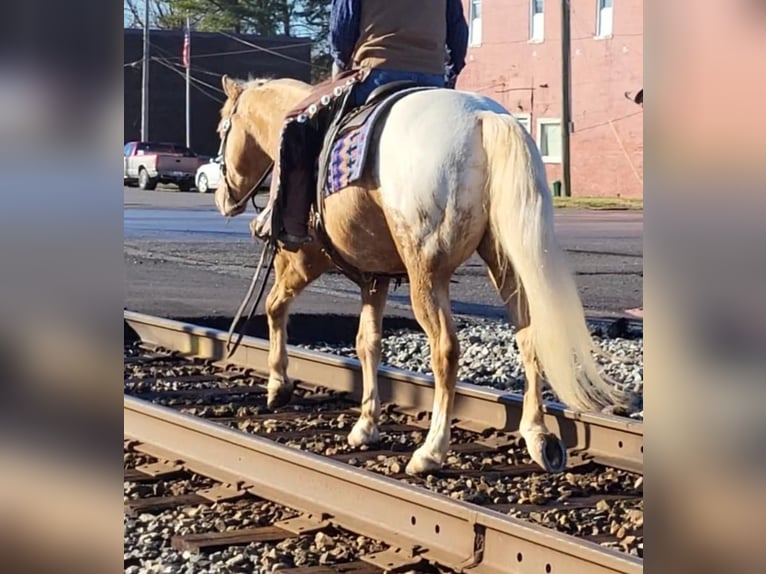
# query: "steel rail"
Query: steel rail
{"points": [[422, 524], [610, 440]]}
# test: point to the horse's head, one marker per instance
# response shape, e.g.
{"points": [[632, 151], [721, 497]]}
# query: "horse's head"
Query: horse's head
{"points": [[250, 127], [243, 132]]}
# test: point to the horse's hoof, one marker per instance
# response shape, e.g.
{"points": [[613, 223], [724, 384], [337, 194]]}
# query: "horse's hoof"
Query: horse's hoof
{"points": [[280, 396], [546, 450], [422, 462], [365, 432]]}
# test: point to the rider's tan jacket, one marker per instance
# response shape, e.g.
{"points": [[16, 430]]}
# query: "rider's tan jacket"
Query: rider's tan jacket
{"points": [[402, 35]]}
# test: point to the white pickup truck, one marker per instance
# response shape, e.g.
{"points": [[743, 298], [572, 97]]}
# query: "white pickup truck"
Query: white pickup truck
{"points": [[150, 163]]}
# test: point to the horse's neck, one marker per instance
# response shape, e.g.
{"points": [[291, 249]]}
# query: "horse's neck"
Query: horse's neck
{"points": [[266, 130], [268, 123]]}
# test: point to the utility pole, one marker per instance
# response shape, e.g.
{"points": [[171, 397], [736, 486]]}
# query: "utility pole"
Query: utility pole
{"points": [[566, 97], [145, 78], [187, 61]]}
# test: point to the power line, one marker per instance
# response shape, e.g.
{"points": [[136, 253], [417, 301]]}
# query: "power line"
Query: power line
{"points": [[267, 50], [199, 69], [533, 44], [193, 80], [236, 52], [169, 59], [174, 65], [607, 122], [208, 72]]}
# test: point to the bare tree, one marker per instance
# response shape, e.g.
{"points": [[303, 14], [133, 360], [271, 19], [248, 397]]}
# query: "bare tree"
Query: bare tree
{"points": [[162, 14]]}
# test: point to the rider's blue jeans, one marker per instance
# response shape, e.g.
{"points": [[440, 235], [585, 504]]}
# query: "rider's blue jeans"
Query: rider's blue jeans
{"points": [[379, 77]]}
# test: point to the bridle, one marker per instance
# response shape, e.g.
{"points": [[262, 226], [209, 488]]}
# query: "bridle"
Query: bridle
{"points": [[225, 128]]}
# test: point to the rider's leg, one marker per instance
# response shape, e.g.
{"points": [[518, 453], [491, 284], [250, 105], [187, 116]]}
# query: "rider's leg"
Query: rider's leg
{"points": [[297, 206], [300, 188]]}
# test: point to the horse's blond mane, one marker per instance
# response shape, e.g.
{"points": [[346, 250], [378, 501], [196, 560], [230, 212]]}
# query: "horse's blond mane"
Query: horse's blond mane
{"points": [[252, 82]]}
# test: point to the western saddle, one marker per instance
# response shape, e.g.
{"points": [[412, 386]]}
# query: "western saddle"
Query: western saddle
{"points": [[329, 110]]}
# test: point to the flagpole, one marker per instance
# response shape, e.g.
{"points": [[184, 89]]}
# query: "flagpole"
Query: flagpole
{"points": [[188, 85]]}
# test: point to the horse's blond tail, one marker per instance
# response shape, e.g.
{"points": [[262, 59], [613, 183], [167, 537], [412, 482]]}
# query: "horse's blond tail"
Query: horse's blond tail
{"points": [[521, 220]]}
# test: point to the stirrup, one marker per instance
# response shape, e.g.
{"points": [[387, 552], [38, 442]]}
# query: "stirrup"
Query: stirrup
{"points": [[290, 242]]}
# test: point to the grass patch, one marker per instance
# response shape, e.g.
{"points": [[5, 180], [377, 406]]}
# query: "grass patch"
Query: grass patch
{"points": [[598, 203]]}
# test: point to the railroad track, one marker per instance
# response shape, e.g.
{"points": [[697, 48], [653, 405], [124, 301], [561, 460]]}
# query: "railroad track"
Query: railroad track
{"points": [[490, 510]]}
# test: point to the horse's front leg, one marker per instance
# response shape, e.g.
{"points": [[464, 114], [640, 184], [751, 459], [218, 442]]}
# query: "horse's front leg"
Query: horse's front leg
{"points": [[368, 340], [293, 272]]}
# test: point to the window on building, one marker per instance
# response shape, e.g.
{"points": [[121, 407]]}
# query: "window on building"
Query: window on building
{"points": [[474, 16], [604, 19], [537, 21], [549, 139], [525, 120]]}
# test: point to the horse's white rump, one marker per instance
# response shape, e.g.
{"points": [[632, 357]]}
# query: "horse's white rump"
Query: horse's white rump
{"points": [[431, 166]]}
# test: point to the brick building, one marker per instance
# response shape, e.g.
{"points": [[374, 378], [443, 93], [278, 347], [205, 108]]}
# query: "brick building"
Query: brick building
{"points": [[514, 56]]}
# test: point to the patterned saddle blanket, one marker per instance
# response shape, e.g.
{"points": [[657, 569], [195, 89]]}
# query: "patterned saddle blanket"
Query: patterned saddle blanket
{"points": [[344, 153], [348, 146]]}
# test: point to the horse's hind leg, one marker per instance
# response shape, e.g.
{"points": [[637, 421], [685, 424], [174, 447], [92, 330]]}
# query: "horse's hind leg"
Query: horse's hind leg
{"points": [[430, 301], [292, 275], [544, 447], [368, 339]]}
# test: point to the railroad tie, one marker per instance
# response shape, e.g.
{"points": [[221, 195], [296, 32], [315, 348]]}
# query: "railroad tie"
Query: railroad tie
{"points": [[215, 540]]}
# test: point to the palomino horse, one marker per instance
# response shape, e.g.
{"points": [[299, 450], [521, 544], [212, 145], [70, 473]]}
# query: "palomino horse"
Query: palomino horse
{"points": [[452, 173]]}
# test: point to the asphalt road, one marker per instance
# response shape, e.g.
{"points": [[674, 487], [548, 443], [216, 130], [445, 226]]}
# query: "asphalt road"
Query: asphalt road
{"points": [[184, 260]]}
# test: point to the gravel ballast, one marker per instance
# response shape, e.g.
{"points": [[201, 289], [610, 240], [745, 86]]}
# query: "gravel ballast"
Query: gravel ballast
{"points": [[489, 356], [147, 537], [607, 505]]}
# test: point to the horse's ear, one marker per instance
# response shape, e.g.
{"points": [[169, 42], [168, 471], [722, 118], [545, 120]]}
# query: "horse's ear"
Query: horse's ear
{"points": [[231, 88]]}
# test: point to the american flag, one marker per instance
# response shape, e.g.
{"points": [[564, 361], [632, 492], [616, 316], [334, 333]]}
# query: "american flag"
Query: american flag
{"points": [[187, 48]]}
